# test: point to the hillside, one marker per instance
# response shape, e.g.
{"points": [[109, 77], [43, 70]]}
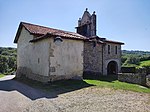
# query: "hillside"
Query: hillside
{"points": [[136, 52], [135, 58]]}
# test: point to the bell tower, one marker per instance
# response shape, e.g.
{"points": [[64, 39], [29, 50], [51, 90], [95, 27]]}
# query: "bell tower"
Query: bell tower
{"points": [[87, 24]]}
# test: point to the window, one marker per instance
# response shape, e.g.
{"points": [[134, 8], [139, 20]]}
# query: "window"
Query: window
{"points": [[108, 49], [58, 41], [116, 49]]}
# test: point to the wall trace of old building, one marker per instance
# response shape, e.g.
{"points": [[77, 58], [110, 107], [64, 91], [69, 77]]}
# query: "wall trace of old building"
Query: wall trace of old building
{"points": [[46, 54]]}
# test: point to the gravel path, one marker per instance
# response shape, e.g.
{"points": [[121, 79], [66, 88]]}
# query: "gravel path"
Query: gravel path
{"points": [[91, 99]]}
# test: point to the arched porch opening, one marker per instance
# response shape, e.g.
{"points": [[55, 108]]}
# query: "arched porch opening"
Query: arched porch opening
{"points": [[112, 68]]}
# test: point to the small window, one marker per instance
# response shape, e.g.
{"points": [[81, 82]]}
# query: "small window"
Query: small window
{"points": [[108, 49], [116, 50], [58, 41]]}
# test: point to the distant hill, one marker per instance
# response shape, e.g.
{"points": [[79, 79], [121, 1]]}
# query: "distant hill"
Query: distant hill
{"points": [[134, 58], [136, 52]]}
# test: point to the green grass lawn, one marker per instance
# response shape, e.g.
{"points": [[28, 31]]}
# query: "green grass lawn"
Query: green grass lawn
{"points": [[145, 63], [112, 82], [119, 85], [2, 75], [141, 64]]}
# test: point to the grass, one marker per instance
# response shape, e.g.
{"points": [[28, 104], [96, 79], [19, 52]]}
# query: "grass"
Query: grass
{"points": [[145, 63], [130, 65], [112, 82], [1, 75], [119, 85], [71, 85], [141, 64]]}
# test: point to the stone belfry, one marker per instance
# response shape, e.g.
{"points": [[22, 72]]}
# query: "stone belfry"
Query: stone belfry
{"points": [[87, 24]]}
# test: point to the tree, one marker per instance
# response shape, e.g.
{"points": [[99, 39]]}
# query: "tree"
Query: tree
{"points": [[133, 60], [12, 63], [3, 64]]}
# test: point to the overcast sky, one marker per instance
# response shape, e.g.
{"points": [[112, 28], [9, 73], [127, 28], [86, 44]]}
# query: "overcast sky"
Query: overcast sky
{"points": [[127, 21]]}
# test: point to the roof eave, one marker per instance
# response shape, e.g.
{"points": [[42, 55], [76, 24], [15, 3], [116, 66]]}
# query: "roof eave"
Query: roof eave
{"points": [[48, 35], [18, 33], [115, 42]]}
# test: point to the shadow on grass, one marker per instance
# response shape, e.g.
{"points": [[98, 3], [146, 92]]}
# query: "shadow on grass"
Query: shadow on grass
{"points": [[108, 78], [35, 90]]}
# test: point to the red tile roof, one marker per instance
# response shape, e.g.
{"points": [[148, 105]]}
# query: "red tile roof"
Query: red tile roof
{"points": [[41, 31], [104, 40]]}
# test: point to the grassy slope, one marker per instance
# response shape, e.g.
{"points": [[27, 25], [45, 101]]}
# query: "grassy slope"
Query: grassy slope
{"points": [[142, 64], [112, 82], [145, 63], [2, 75], [119, 85]]}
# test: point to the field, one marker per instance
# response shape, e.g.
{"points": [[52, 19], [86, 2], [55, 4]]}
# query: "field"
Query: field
{"points": [[141, 64], [145, 63]]}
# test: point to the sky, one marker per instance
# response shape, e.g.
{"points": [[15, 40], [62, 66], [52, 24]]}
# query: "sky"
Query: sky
{"points": [[127, 21]]}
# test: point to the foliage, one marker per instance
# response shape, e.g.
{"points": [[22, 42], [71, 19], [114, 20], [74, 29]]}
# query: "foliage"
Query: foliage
{"points": [[8, 61], [3, 64], [134, 58]]}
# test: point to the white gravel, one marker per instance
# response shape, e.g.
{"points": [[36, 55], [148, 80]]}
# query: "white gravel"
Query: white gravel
{"points": [[93, 99]]}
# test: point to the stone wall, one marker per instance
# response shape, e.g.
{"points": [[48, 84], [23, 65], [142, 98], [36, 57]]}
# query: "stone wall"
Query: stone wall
{"points": [[148, 80], [66, 59], [135, 78], [46, 61], [27, 73], [92, 58], [34, 56], [111, 56], [24, 72]]}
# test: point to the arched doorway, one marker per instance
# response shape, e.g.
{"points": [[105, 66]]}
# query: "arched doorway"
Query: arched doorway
{"points": [[112, 68]]}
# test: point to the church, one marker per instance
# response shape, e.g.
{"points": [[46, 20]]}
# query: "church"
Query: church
{"points": [[47, 54]]}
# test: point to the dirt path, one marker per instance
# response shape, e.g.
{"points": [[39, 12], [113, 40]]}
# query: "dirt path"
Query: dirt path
{"points": [[91, 99]]}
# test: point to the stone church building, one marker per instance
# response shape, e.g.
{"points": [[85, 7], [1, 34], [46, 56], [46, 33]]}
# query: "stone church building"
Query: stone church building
{"points": [[47, 54]]}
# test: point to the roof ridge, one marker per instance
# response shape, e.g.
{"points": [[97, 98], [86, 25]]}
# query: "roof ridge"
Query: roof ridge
{"points": [[46, 27], [38, 25], [57, 30]]}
